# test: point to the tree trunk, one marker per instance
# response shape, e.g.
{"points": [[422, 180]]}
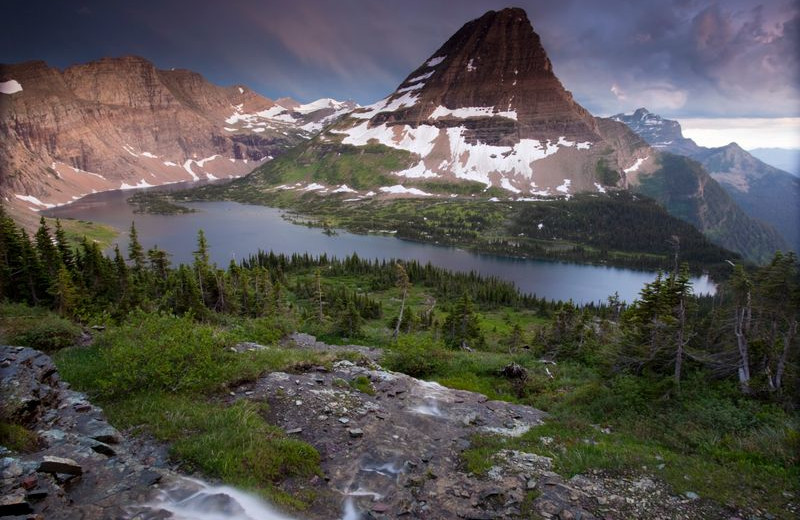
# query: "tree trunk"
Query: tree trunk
{"points": [[400, 318], [741, 325], [788, 338], [680, 342]]}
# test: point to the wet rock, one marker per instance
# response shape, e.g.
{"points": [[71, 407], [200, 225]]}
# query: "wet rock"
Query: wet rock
{"points": [[29, 482], [104, 449], [11, 468], [14, 505], [36, 494], [71, 474], [51, 464]]}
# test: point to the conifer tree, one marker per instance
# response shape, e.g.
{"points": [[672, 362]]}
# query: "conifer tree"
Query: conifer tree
{"points": [[135, 252]]}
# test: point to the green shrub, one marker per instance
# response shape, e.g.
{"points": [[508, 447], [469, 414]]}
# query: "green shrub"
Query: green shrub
{"points": [[417, 356], [36, 327], [266, 330], [159, 352]]}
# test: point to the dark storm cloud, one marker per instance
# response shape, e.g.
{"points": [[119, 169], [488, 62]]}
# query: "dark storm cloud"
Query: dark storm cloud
{"points": [[679, 57]]}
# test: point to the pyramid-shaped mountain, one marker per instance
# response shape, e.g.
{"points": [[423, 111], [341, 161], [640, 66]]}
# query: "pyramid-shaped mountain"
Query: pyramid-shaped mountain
{"points": [[485, 107]]}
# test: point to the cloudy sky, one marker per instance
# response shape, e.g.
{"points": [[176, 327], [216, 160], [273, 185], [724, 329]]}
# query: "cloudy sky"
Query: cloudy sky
{"points": [[715, 66]]}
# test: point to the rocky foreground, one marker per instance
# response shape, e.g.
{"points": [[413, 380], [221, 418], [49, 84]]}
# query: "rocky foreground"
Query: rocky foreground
{"points": [[390, 444]]}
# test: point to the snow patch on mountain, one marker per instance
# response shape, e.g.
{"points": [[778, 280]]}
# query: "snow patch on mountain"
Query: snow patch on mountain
{"points": [[465, 112], [635, 165], [386, 105], [419, 140], [188, 167], [320, 104], [435, 61], [422, 77], [10, 87], [399, 189], [141, 184], [505, 183], [33, 200]]}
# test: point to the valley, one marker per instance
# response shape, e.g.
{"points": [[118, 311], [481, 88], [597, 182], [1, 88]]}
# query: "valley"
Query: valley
{"points": [[479, 297]]}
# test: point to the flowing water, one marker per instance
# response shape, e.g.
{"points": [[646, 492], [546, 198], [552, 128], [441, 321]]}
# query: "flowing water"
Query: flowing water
{"points": [[235, 231], [192, 499]]}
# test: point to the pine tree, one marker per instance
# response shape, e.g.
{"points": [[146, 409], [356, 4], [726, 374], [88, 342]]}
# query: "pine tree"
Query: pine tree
{"points": [[461, 328], [135, 252], [62, 243]]}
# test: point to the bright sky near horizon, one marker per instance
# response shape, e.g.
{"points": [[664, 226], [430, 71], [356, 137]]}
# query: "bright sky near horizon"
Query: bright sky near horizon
{"points": [[706, 63], [749, 133]]}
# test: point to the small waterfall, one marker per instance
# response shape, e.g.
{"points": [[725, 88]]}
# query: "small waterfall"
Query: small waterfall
{"points": [[194, 499], [429, 407], [350, 511], [388, 469]]}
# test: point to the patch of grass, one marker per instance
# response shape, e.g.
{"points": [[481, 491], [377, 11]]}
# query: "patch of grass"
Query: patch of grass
{"points": [[17, 438], [36, 327], [232, 443], [363, 385], [75, 230], [164, 375], [479, 457]]}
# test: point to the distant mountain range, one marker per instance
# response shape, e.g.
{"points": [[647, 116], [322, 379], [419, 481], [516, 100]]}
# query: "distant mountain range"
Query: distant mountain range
{"points": [[762, 191], [120, 123]]}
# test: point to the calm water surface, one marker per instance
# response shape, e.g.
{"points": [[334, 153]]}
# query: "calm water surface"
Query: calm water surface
{"points": [[235, 231]]}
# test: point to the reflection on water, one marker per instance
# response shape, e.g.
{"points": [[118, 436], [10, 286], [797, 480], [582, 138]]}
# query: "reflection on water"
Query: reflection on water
{"points": [[235, 231]]}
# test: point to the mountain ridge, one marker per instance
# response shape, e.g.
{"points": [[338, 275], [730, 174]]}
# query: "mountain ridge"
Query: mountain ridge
{"points": [[762, 191], [118, 123]]}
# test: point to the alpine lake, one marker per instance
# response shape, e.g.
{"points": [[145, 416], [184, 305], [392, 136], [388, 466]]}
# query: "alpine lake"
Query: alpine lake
{"points": [[235, 231]]}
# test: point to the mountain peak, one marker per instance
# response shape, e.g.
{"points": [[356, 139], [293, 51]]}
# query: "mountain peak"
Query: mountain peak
{"points": [[493, 67]]}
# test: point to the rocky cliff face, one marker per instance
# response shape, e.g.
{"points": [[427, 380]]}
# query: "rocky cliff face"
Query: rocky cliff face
{"points": [[120, 123], [762, 191], [80, 467]]}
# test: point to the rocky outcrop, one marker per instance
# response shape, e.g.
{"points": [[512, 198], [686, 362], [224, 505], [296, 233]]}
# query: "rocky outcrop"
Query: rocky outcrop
{"points": [[81, 467], [121, 122], [391, 447]]}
